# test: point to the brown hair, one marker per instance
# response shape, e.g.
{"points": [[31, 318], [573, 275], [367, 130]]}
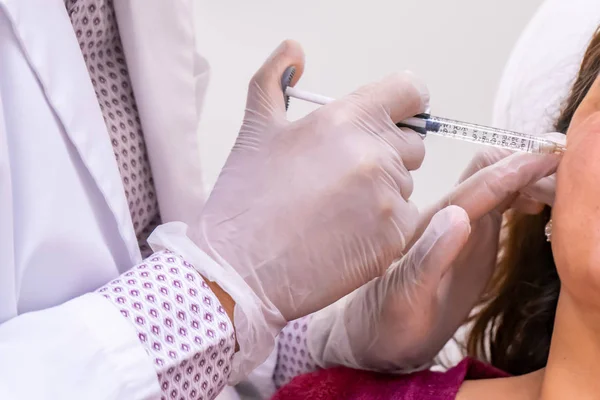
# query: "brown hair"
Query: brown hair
{"points": [[514, 324]]}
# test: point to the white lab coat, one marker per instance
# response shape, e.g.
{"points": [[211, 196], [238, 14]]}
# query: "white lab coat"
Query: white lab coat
{"points": [[65, 227]]}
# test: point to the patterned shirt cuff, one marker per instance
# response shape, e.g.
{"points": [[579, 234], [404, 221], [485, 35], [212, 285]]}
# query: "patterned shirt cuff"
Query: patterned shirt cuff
{"points": [[180, 322], [293, 358]]}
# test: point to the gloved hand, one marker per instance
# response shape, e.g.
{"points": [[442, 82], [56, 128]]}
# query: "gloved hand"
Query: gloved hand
{"points": [[304, 212], [533, 197], [400, 321]]}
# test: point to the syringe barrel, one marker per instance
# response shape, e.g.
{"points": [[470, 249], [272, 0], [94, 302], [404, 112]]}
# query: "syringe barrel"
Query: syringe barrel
{"points": [[424, 123], [491, 136]]}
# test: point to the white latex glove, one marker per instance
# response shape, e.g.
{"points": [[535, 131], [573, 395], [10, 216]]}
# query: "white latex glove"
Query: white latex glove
{"points": [[304, 212], [400, 321], [533, 197], [543, 190]]}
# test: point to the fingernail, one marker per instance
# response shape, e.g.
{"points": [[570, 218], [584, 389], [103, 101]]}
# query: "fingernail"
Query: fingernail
{"points": [[459, 216], [468, 226], [422, 89]]}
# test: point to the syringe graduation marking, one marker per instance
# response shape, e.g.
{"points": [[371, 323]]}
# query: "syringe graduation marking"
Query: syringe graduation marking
{"points": [[476, 134]]}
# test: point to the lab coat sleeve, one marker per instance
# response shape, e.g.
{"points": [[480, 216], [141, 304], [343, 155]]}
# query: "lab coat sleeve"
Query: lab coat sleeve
{"points": [[157, 331]]}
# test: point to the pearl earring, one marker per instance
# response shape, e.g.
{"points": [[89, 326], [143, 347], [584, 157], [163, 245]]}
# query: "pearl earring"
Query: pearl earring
{"points": [[548, 230]]}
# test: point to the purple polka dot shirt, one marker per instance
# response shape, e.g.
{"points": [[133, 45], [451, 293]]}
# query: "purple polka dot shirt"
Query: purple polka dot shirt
{"points": [[185, 330], [95, 26]]}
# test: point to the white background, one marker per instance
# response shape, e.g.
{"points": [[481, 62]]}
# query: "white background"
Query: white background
{"points": [[458, 47]]}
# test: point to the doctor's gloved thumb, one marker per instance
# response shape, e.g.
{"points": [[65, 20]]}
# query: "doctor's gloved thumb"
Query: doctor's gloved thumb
{"points": [[284, 67], [437, 248]]}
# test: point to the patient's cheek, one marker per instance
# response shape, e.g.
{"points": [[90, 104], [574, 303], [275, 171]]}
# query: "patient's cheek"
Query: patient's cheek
{"points": [[567, 231], [579, 172], [576, 214]]}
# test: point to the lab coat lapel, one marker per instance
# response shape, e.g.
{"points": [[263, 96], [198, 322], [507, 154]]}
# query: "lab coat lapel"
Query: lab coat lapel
{"points": [[47, 38], [169, 80]]}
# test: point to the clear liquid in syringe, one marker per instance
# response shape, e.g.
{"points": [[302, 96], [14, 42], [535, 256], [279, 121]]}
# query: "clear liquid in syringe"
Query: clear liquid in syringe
{"points": [[491, 137]]}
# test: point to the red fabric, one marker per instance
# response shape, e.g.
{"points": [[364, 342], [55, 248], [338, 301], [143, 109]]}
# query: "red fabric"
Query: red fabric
{"points": [[345, 383]]}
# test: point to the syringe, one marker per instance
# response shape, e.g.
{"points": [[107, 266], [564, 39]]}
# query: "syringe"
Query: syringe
{"points": [[425, 123]]}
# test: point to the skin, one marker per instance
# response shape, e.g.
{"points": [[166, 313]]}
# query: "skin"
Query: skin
{"points": [[573, 369]]}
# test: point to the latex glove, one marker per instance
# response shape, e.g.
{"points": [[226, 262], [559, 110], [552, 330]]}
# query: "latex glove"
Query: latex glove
{"points": [[304, 212], [399, 322], [542, 191]]}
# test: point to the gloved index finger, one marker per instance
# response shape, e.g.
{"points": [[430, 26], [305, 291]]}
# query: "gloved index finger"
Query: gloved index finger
{"points": [[489, 187]]}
